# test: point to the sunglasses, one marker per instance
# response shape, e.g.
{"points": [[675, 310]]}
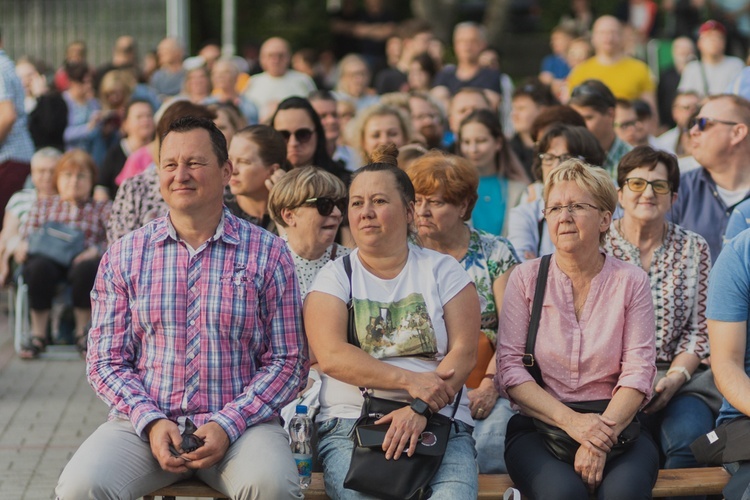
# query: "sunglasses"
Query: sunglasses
{"points": [[325, 205], [638, 185], [303, 135], [703, 123]]}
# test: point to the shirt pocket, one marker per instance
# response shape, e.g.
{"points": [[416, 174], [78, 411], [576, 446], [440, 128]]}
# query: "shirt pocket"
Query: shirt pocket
{"points": [[231, 308]]}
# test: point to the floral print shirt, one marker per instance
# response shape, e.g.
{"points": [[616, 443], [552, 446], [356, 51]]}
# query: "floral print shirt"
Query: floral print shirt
{"points": [[486, 259]]}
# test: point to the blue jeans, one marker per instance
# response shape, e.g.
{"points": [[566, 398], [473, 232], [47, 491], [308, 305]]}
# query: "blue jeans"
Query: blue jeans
{"points": [[685, 419], [456, 478], [489, 434]]}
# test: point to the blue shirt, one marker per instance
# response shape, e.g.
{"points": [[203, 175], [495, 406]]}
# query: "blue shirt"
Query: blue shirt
{"points": [[700, 209], [489, 212], [17, 144], [729, 298], [738, 221], [556, 65]]}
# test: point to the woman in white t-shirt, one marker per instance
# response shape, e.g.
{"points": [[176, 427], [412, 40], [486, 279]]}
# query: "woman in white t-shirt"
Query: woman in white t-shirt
{"points": [[417, 318]]}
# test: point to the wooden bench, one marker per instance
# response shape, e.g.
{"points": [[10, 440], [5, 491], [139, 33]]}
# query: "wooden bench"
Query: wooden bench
{"points": [[671, 482]]}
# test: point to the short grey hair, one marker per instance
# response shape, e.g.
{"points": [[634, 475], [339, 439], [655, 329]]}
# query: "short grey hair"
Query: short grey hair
{"points": [[47, 152]]}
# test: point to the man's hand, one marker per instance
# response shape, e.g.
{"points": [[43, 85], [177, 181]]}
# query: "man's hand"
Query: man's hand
{"points": [[216, 443], [161, 433]]}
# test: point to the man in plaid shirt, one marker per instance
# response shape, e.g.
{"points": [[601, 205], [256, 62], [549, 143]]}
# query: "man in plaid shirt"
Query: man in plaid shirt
{"points": [[196, 316]]}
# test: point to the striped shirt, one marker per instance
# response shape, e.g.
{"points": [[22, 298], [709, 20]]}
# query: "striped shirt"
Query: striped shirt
{"points": [[215, 337]]}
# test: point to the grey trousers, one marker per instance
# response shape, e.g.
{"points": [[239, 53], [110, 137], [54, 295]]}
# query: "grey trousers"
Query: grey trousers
{"points": [[115, 463]]}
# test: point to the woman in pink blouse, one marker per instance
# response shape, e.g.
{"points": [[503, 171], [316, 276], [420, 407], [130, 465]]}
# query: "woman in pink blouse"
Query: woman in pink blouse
{"points": [[686, 401], [595, 342], [74, 176]]}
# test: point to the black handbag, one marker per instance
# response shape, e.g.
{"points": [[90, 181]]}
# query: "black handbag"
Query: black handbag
{"points": [[557, 441], [405, 478]]}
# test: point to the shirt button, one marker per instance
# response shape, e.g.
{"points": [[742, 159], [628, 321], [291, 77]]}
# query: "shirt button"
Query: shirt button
{"points": [[192, 322]]}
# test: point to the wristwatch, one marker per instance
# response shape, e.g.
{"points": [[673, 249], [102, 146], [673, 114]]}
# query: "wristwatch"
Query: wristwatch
{"points": [[421, 408]]}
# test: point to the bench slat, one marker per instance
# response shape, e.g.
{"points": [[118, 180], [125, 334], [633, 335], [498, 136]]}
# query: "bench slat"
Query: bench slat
{"points": [[671, 482]]}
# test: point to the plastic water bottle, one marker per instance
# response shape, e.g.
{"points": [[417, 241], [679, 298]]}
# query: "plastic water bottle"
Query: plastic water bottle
{"points": [[300, 432]]}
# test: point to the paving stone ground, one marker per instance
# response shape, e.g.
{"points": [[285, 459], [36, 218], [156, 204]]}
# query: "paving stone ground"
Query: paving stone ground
{"points": [[47, 409]]}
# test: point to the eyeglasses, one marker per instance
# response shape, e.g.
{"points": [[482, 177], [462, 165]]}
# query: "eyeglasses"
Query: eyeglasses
{"points": [[303, 135], [574, 209], [550, 159], [626, 125], [638, 185], [703, 123], [325, 204]]}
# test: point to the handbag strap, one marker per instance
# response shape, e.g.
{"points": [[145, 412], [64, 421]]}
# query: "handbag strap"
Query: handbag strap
{"points": [[351, 330], [536, 313], [351, 334]]}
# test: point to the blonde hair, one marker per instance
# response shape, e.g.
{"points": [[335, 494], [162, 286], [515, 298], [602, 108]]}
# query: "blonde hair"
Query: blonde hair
{"points": [[593, 180], [299, 185], [379, 110], [117, 78]]}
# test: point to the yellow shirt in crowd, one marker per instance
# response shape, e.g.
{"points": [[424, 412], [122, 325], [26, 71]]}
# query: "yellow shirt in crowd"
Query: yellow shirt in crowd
{"points": [[628, 78]]}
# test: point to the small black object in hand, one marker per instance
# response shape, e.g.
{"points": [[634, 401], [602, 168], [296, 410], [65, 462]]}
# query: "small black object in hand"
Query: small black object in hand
{"points": [[190, 442]]}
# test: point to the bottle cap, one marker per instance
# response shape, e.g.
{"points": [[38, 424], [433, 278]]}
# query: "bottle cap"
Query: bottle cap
{"points": [[301, 409]]}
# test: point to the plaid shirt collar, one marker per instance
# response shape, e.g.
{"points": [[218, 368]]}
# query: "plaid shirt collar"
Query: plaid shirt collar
{"points": [[227, 230]]}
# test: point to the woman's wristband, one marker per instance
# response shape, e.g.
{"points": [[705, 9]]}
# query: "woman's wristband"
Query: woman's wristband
{"points": [[682, 370]]}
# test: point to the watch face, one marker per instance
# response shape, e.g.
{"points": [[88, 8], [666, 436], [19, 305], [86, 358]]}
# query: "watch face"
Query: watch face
{"points": [[420, 407]]}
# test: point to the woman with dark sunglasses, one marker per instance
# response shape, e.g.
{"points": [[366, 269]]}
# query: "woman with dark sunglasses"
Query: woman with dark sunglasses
{"points": [[309, 204], [296, 120], [686, 401]]}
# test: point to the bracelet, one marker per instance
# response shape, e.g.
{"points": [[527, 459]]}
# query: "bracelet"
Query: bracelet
{"points": [[489, 375], [680, 369]]}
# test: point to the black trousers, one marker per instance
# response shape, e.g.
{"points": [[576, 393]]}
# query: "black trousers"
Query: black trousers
{"points": [[42, 275], [540, 475]]}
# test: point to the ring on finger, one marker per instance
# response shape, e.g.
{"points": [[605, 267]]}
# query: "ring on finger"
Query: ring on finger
{"points": [[480, 410]]}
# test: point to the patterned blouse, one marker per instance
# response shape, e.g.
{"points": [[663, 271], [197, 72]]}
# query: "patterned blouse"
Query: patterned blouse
{"points": [[307, 270], [89, 216], [487, 258], [138, 202], [679, 284]]}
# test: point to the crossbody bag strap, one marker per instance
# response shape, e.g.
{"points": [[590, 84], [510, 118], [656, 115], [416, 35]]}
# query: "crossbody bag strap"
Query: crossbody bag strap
{"points": [[536, 313], [351, 329]]}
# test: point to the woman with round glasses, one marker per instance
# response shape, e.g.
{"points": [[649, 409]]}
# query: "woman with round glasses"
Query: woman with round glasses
{"points": [[309, 203], [527, 225], [298, 123], [594, 346], [686, 401], [502, 179]]}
